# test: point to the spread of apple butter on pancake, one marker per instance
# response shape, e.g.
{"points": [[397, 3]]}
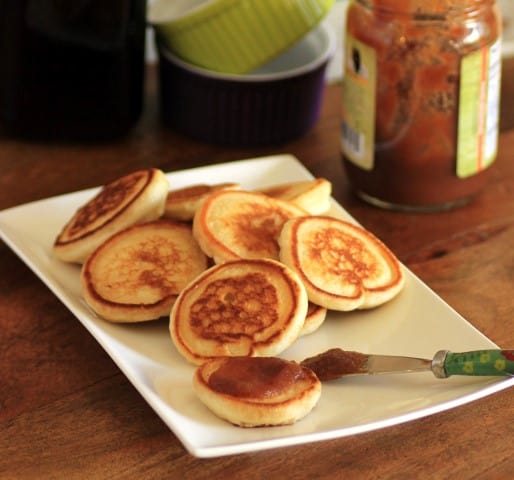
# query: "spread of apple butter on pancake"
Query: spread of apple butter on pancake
{"points": [[257, 391]]}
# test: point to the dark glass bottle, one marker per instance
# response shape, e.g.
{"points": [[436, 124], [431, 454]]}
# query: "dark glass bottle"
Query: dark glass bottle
{"points": [[71, 69]]}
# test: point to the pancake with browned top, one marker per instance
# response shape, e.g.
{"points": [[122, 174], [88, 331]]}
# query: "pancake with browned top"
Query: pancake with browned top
{"points": [[137, 274], [253, 391], [343, 266], [311, 195], [182, 203], [236, 224], [252, 307], [134, 198]]}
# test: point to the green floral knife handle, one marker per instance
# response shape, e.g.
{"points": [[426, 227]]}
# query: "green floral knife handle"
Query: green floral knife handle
{"points": [[478, 362]]}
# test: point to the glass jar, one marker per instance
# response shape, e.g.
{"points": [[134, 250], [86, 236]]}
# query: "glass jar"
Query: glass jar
{"points": [[71, 69], [421, 95]]}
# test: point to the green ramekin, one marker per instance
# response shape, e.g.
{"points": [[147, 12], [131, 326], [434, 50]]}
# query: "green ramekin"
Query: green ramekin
{"points": [[233, 36]]}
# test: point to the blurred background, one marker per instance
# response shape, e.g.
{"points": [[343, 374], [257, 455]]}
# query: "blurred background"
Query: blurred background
{"points": [[336, 19]]}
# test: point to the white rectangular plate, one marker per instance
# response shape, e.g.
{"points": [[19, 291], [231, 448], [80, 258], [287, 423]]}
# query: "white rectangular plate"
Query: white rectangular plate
{"points": [[416, 323]]}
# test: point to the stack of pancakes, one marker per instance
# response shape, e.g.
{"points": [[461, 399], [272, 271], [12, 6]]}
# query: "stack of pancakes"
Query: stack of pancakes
{"points": [[241, 274]]}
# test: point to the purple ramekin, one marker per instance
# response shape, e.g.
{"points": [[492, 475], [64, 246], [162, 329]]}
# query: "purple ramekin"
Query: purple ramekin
{"points": [[272, 105]]}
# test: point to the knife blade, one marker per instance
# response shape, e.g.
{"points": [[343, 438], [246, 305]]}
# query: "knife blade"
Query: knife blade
{"points": [[336, 363]]}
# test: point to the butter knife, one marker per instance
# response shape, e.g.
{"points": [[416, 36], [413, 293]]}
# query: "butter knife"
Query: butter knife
{"points": [[336, 363]]}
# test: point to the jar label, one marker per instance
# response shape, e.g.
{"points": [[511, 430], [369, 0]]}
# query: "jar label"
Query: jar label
{"points": [[359, 89], [479, 106]]}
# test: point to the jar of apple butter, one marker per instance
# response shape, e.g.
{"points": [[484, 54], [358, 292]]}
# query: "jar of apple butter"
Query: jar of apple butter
{"points": [[421, 92]]}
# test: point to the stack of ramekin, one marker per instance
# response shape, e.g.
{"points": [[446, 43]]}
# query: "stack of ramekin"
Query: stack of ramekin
{"points": [[241, 72]]}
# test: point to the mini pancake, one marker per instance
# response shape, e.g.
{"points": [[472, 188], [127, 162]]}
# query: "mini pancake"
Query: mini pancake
{"points": [[182, 203], [253, 391], [342, 266], [311, 195], [314, 319], [236, 224], [252, 307], [135, 198], [137, 274]]}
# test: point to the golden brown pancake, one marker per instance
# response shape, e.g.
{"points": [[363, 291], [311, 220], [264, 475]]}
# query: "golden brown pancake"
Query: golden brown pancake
{"points": [[314, 319], [342, 266], [182, 203], [236, 224], [311, 195], [135, 198], [253, 391], [137, 274], [252, 307]]}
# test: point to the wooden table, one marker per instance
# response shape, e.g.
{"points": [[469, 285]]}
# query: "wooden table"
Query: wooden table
{"points": [[66, 410]]}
